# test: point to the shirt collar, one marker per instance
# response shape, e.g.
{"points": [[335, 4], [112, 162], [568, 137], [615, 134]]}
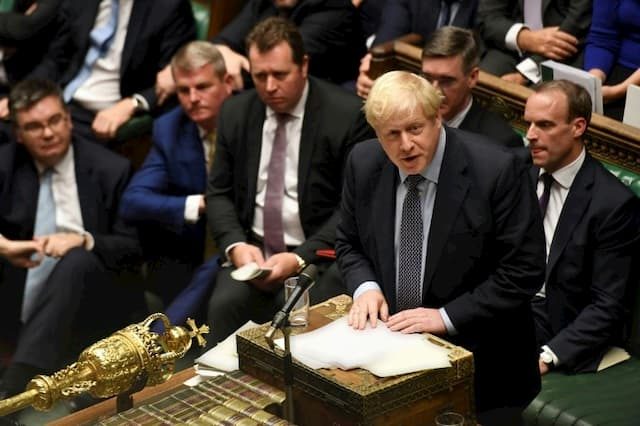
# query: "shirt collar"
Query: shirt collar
{"points": [[566, 175], [432, 171], [64, 164], [457, 120], [298, 110]]}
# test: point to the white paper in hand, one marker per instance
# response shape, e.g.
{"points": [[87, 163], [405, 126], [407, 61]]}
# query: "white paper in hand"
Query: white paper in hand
{"points": [[249, 272], [379, 350]]}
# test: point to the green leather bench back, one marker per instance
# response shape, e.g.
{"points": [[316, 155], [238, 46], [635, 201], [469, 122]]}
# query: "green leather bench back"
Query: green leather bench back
{"points": [[202, 15], [631, 179], [6, 5]]}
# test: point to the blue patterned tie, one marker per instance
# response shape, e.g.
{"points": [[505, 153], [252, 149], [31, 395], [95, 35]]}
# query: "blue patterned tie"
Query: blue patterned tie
{"points": [[45, 225], [101, 39], [410, 257]]}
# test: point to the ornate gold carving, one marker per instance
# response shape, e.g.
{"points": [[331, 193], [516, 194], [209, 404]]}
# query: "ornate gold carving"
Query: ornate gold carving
{"points": [[113, 365]]}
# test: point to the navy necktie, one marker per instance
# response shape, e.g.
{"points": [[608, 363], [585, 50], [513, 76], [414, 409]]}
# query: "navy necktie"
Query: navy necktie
{"points": [[410, 242], [547, 180]]}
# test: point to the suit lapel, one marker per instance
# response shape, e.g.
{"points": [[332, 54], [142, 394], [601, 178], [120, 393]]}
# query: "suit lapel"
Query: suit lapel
{"points": [[255, 124], [384, 206], [27, 185], [574, 208], [453, 185], [193, 156], [139, 12], [307, 139], [433, 12], [87, 193]]}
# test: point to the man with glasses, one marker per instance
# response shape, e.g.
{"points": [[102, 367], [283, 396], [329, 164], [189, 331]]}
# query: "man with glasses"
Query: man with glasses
{"points": [[61, 241], [450, 62]]}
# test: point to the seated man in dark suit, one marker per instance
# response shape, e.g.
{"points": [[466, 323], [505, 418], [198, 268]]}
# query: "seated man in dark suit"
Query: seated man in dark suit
{"points": [[330, 29], [592, 228], [450, 63], [439, 228], [113, 51], [58, 202], [516, 30], [165, 198], [275, 186]]}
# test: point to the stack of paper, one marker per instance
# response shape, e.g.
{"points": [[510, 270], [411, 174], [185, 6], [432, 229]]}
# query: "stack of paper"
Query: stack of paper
{"points": [[552, 70], [223, 356], [378, 350]]}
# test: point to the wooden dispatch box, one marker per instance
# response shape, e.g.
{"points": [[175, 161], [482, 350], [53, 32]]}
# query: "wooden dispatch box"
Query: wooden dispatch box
{"points": [[357, 397]]}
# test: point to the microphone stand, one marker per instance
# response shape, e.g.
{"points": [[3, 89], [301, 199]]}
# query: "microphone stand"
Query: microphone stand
{"points": [[287, 367]]}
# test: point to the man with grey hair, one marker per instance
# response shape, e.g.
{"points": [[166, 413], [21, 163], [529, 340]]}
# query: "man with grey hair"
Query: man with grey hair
{"points": [[166, 196], [439, 233], [450, 58]]}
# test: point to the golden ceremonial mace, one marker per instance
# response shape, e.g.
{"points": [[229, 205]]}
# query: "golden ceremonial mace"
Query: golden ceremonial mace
{"points": [[120, 364]]}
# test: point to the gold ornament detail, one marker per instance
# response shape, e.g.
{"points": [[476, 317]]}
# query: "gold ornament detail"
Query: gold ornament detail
{"points": [[129, 357]]}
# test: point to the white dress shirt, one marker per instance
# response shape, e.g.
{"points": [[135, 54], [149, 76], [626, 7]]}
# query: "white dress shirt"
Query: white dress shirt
{"points": [[192, 202], [563, 179], [65, 195], [102, 89], [293, 232]]}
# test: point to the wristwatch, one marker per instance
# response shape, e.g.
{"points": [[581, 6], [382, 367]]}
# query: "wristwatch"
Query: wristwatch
{"points": [[301, 263], [546, 358]]}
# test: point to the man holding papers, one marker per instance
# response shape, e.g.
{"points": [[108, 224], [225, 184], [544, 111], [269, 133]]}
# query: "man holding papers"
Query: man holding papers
{"points": [[440, 229]]}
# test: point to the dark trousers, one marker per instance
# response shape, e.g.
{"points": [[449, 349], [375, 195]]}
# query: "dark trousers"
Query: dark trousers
{"points": [[233, 303], [79, 304]]}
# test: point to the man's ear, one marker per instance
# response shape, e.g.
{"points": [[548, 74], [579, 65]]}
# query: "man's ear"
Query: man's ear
{"points": [[305, 65], [227, 80], [474, 75], [579, 127]]}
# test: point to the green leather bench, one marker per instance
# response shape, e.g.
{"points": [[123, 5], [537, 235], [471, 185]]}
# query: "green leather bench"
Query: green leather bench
{"points": [[610, 397]]}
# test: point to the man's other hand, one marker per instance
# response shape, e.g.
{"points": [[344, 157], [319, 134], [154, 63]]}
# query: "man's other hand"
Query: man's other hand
{"points": [[235, 63], [418, 320], [283, 266], [364, 83], [369, 305], [165, 86], [550, 42], [19, 253], [108, 121], [245, 253], [57, 245]]}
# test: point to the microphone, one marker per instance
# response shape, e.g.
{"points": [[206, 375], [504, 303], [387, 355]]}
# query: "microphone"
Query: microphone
{"points": [[306, 280]]}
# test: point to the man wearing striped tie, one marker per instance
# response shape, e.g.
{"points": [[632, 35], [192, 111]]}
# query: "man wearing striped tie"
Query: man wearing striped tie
{"points": [[61, 242]]}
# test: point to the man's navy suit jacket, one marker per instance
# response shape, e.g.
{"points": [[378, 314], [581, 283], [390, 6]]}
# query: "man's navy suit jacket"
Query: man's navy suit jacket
{"points": [[592, 267], [155, 198], [484, 260]]}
